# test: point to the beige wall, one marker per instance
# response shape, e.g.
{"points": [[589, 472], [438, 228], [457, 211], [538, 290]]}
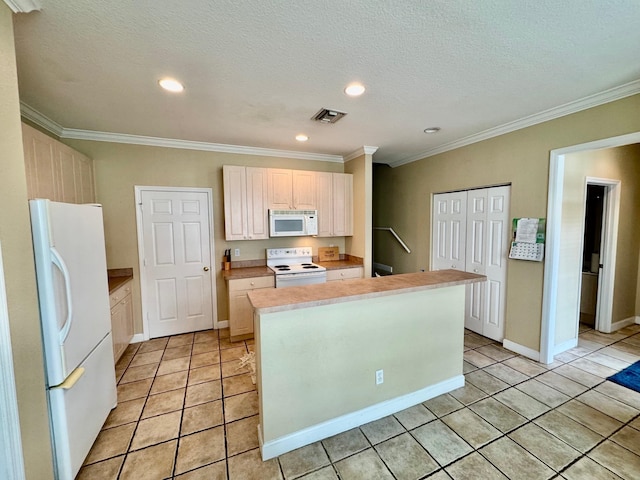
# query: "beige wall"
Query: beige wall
{"points": [[623, 164], [520, 158], [120, 167], [360, 244], [15, 236], [321, 376]]}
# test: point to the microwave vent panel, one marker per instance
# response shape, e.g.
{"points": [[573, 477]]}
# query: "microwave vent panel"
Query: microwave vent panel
{"points": [[327, 115]]}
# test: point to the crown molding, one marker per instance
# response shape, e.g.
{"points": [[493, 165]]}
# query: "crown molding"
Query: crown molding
{"points": [[38, 118], [58, 130], [364, 150], [23, 6], [193, 145], [585, 103]]}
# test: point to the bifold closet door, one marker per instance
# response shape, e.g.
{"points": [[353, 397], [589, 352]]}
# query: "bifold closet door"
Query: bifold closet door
{"points": [[449, 231], [470, 233]]}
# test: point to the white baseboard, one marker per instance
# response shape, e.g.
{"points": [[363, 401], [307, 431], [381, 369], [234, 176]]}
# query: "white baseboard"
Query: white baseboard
{"points": [[521, 349], [139, 337], [221, 324], [564, 346], [624, 323], [346, 422]]}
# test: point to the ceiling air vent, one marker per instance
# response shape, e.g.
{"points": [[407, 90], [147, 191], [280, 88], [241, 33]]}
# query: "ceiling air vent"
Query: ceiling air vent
{"points": [[326, 115]]}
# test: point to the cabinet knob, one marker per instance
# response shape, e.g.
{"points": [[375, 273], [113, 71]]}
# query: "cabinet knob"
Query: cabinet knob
{"points": [[252, 284], [475, 270], [206, 269]]}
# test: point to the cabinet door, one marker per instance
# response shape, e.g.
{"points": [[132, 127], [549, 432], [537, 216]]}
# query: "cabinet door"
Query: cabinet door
{"points": [[235, 207], [257, 208], [117, 320], [240, 314], [304, 190], [280, 189], [41, 166], [342, 204], [66, 164], [83, 172], [324, 184]]}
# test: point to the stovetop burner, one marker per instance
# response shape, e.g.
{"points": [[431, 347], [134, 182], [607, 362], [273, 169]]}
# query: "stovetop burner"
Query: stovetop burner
{"points": [[298, 261]]}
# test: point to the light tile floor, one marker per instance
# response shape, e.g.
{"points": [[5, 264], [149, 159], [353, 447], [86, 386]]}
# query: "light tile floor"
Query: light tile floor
{"points": [[187, 411]]}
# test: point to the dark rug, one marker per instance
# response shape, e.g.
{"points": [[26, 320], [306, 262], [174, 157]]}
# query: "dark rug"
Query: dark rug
{"points": [[629, 377]]}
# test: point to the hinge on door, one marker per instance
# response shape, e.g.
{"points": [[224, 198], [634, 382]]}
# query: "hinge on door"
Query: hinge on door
{"points": [[144, 262]]}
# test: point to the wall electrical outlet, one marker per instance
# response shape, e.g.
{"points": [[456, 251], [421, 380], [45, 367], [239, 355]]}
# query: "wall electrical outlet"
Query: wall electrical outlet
{"points": [[379, 377], [237, 252]]}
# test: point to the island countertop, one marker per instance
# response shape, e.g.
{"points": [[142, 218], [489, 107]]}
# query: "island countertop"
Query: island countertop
{"points": [[291, 298]]}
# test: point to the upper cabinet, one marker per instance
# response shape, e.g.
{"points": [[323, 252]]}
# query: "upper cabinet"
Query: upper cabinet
{"points": [[250, 192], [335, 204], [56, 171], [291, 189], [245, 203]]}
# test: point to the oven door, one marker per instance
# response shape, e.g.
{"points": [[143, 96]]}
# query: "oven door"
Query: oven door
{"points": [[298, 279]]}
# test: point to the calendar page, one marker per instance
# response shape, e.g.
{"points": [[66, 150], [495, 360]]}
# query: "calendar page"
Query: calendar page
{"points": [[527, 251]]}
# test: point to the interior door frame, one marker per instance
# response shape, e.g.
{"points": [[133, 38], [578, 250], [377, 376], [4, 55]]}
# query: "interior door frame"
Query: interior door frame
{"points": [[11, 441], [144, 294], [608, 250], [554, 220]]}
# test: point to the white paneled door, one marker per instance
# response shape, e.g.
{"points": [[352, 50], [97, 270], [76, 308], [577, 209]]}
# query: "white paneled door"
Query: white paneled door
{"points": [[449, 231], [470, 233], [177, 278]]}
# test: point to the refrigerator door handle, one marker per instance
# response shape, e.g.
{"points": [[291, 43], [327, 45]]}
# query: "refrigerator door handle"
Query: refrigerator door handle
{"points": [[58, 262], [71, 380]]}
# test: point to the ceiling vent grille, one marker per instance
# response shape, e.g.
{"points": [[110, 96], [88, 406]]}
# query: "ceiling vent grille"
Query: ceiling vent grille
{"points": [[326, 115]]}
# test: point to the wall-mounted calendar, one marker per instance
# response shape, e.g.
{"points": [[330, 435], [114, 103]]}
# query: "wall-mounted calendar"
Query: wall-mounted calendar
{"points": [[528, 239]]}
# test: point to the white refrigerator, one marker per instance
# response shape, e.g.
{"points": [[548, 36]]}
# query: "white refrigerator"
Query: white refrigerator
{"points": [[73, 293]]}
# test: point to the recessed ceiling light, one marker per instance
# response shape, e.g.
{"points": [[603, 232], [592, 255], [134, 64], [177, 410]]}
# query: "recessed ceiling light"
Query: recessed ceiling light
{"points": [[301, 137], [171, 85], [354, 89], [432, 130]]}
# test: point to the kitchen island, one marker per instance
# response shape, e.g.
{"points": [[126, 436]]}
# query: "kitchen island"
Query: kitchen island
{"points": [[319, 350]]}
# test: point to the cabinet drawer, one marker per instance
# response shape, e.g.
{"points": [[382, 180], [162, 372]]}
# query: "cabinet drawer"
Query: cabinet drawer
{"points": [[251, 283], [121, 292], [344, 274]]}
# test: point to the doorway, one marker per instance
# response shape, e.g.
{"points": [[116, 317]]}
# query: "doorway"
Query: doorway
{"points": [[175, 245], [553, 273], [592, 246]]}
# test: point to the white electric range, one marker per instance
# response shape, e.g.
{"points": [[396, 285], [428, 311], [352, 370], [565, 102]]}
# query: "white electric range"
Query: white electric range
{"points": [[293, 267]]}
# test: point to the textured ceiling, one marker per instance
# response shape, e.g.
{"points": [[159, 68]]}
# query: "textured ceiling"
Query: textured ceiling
{"points": [[255, 71]]}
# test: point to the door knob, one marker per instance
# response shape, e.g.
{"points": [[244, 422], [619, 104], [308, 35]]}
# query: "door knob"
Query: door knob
{"points": [[206, 269]]}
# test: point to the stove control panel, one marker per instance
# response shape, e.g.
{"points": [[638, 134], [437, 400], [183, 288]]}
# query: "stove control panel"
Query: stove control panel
{"points": [[293, 252]]}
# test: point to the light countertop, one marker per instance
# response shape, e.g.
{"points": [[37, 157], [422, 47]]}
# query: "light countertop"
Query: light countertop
{"points": [[276, 300], [117, 277], [264, 271]]}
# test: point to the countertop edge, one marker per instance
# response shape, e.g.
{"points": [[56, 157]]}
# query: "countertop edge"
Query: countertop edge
{"points": [[259, 298]]}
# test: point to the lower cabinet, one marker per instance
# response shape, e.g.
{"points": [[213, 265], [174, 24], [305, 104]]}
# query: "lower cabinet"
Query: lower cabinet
{"points": [[344, 274], [240, 309], [121, 319]]}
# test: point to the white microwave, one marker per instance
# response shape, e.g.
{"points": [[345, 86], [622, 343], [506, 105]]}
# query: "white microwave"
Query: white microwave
{"points": [[293, 223]]}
